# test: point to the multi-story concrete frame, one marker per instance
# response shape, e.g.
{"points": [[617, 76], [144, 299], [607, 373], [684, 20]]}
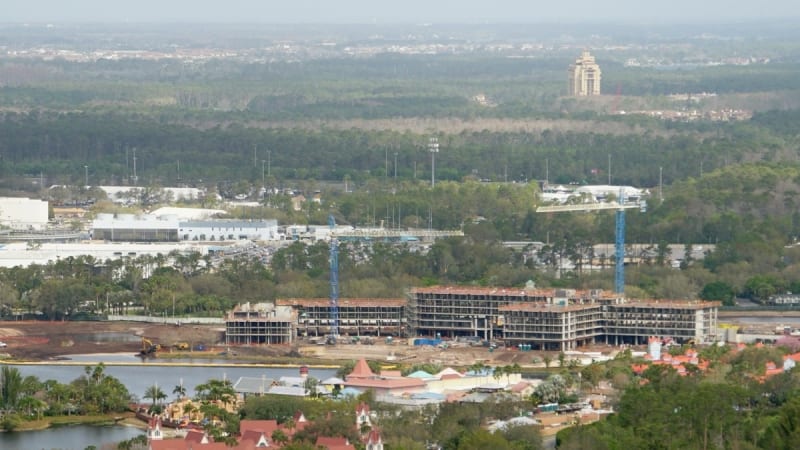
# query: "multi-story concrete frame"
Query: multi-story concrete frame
{"points": [[466, 311], [556, 319], [635, 321], [260, 323], [357, 316], [552, 327], [584, 76]]}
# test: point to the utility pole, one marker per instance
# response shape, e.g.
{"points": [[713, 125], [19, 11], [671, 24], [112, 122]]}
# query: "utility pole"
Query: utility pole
{"points": [[269, 163], [609, 169], [395, 167], [546, 171], [433, 147], [263, 178], [134, 177], [255, 149], [86, 175]]}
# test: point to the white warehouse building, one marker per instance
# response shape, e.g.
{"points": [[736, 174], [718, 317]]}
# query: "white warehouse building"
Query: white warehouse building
{"points": [[22, 213], [168, 228], [228, 230]]}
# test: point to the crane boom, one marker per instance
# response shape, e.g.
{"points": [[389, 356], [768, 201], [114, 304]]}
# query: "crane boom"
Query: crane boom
{"points": [[587, 207]]}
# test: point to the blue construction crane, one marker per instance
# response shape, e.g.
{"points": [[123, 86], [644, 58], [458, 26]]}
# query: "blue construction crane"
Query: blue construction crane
{"points": [[334, 262], [619, 242]]}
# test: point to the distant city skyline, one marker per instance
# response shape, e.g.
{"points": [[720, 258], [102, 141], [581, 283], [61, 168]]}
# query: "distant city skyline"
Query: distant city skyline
{"points": [[407, 11]]}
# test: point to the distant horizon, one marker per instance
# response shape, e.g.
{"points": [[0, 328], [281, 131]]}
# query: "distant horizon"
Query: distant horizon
{"points": [[408, 12]]}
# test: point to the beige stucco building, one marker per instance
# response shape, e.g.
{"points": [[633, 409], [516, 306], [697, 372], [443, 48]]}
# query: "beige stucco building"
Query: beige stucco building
{"points": [[584, 76]]}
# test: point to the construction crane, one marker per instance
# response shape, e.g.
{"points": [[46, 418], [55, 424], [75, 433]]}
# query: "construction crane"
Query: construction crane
{"points": [[334, 300], [619, 242]]}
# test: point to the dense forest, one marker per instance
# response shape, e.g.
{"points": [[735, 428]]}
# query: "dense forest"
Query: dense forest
{"points": [[311, 118]]}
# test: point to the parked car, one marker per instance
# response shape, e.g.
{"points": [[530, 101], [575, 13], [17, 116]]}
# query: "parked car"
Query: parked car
{"points": [[3, 344]]}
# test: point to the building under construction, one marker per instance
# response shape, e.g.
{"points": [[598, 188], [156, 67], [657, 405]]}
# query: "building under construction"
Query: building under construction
{"points": [[357, 316], [556, 319], [468, 311], [545, 319], [260, 323]]}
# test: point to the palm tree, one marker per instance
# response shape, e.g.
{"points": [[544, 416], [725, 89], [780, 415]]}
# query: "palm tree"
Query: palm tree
{"points": [[179, 391], [478, 368], [190, 410], [10, 387], [156, 394], [279, 437], [310, 386], [216, 391], [32, 404], [498, 372]]}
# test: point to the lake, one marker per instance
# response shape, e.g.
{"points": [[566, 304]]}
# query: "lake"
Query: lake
{"points": [[137, 378], [141, 375], [76, 437]]}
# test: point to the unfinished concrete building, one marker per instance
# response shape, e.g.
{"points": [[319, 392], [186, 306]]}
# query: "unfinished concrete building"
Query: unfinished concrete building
{"points": [[468, 311], [556, 319], [552, 327], [260, 323], [634, 322], [357, 316]]}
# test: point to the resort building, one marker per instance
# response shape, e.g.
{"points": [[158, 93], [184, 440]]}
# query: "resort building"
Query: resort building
{"points": [[357, 316], [584, 76], [469, 311], [543, 319], [260, 323], [556, 319]]}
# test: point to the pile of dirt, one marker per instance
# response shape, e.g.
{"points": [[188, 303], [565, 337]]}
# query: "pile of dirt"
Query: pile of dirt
{"points": [[32, 340]]}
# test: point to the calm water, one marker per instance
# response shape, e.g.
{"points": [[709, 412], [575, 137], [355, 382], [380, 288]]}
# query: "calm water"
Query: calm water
{"points": [[75, 437], [137, 379]]}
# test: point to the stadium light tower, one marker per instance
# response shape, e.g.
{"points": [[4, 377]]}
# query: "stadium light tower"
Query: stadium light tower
{"points": [[433, 147]]}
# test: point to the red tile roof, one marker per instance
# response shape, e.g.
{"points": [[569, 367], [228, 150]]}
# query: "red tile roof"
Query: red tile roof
{"points": [[361, 370]]}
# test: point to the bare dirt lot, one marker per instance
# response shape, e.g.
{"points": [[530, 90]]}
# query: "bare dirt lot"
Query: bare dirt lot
{"points": [[49, 340], [41, 341]]}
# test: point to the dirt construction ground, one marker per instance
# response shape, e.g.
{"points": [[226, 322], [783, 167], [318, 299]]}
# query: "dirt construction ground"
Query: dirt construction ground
{"points": [[49, 340], [41, 341]]}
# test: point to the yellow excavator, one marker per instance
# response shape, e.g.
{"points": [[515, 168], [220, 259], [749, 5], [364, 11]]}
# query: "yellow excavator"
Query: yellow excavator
{"points": [[149, 349]]}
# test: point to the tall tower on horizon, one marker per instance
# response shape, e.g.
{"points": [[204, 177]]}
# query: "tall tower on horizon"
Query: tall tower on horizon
{"points": [[584, 76]]}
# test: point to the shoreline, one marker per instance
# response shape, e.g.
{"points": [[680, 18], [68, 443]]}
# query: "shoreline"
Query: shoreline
{"points": [[759, 313], [66, 362], [127, 419]]}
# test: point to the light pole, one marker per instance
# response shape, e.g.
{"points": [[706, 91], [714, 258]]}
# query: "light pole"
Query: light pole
{"points": [[86, 175], [433, 147], [263, 179], [395, 167], [269, 163]]}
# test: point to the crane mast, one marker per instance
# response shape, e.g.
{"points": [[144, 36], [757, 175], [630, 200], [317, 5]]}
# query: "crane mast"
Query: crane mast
{"points": [[619, 241], [334, 263]]}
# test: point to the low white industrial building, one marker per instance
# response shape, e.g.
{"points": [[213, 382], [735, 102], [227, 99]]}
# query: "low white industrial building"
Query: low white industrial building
{"points": [[22, 213], [168, 228], [22, 255], [135, 228], [228, 230]]}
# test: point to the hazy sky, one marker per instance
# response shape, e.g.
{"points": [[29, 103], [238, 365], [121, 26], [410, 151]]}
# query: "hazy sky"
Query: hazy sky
{"points": [[395, 11]]}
